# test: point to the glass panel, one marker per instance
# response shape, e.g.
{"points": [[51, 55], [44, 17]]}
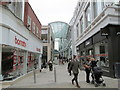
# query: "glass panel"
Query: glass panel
{"points": [[59, 29], [88, 15], [81, 24], [77, 28]]}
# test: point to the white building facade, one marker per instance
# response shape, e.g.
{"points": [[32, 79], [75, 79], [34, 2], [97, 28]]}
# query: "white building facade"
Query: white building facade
{"points": [[20, 50], [95, 31]]}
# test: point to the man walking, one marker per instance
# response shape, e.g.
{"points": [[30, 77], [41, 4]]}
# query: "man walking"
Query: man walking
{"points": [[69, 63], [75, 66]]}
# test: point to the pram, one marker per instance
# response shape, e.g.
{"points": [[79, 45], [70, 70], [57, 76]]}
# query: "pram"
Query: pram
{"points": [[97, 76]]}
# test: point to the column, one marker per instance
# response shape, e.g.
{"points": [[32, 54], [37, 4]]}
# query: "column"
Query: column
{"points": [[48, 52], [25, 62], [39, 61], [1, 78]]}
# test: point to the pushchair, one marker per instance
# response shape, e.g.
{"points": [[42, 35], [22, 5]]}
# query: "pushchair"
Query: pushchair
{"points": [[97, 76]]}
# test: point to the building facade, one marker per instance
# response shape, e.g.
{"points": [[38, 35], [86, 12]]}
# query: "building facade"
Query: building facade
{"points": [[95, 31], [48, 44], [20, 44]]}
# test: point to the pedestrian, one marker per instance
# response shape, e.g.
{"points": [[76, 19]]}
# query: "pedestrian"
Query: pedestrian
{"points": [[75, 69], [87, 66], [93, 64], [69, 70], [50, 65]]}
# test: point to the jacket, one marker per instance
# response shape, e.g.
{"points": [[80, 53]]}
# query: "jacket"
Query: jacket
{"points": [[75, 66]]}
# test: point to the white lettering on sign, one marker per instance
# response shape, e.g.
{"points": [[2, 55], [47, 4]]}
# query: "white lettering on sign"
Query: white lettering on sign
{"points": [[87, 43], [105, 34], [118, 33], [20, 42]]}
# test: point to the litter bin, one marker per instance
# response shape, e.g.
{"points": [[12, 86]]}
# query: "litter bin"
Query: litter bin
{"points": [[117, 69]]}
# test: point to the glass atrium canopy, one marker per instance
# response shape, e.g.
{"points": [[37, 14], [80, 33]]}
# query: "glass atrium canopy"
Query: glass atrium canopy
{"points": [[59, 29]]}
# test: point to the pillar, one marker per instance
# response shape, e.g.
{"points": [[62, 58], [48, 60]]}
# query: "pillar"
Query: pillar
{"points": [[113, 47], [25, 62], [39, 61], [48, 53], [1, 78]]}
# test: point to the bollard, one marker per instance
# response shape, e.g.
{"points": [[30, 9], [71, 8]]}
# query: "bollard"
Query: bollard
{"points": [[34, 76], [55, 74]]}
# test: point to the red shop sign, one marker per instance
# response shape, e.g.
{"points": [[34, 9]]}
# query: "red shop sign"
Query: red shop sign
{"points": [[20, 42]]}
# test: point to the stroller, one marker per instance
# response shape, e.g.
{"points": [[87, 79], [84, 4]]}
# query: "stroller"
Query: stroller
{"points": [[97, 75]]}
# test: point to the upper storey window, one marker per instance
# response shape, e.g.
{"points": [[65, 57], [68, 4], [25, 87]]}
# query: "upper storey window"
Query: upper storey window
{"points": [[29, 23], [88, 20]]}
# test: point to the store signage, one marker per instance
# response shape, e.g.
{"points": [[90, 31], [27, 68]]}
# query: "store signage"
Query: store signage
{"points": [[104, 32], [118, 33], [20, 42], [87, 43], [38, 49]]}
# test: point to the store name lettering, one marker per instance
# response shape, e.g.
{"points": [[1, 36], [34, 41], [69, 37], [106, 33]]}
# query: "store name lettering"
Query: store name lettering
{"points": [[87, 43], [37, 49], [20, 42], [118, 33], [105, 34]]}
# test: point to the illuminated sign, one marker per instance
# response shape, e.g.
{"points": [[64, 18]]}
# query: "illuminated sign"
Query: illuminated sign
{"points": [[20, 42], [105, 32]]}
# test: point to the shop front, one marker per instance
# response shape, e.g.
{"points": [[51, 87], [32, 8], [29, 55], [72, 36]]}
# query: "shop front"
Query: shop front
{"points": [[18, 54], [112, 33], [101, 52], [104, 47], [13, 48]]}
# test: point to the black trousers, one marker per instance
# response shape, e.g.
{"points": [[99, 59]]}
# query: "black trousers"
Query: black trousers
{"points": [[75, 78], [87, 75]]}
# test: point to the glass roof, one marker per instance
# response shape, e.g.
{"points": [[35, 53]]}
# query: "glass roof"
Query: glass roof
{"points": [[59, 29]]}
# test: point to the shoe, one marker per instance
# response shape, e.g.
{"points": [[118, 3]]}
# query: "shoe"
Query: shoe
{"points": [[92, 82], [78, 86], [88, 81]]}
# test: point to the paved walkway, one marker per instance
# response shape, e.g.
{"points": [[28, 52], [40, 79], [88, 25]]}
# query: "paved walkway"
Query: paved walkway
{"points": [[45, 79]]}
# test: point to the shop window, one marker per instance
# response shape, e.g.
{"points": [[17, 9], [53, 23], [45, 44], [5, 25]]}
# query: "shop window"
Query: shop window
{"points": [[90, 52], [82, 53], [7, 63], [102, 49], [104, 61]]}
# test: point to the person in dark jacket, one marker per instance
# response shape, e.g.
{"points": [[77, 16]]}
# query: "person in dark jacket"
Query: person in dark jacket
{"points": [[74, 67], [69, 70], [50, 65], [87, 66], [93, 64]]}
